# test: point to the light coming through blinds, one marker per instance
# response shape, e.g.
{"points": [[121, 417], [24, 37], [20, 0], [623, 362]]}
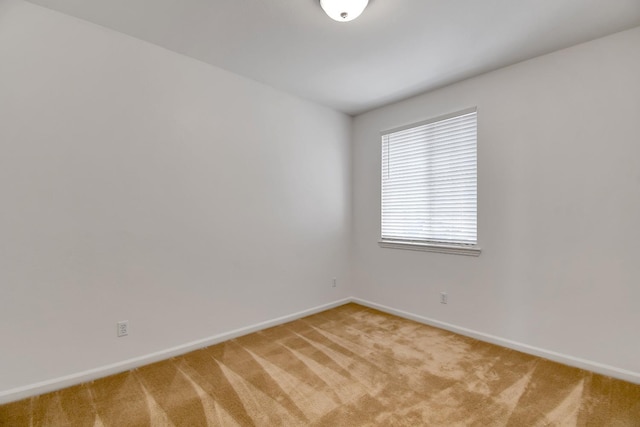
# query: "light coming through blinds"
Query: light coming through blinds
{"points": [[429, 182]]}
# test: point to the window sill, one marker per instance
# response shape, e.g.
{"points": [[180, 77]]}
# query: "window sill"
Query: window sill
{"points": [[431, 247]]}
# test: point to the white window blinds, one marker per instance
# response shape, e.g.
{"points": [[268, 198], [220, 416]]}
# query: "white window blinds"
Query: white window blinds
{"points": [[429, 181]]}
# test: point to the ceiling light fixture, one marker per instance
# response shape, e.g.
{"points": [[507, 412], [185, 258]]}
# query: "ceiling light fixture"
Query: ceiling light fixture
{"points": [[343, 10]]}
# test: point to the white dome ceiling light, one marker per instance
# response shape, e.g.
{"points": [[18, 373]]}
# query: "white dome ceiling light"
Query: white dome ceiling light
{"points": [[343, 10]]}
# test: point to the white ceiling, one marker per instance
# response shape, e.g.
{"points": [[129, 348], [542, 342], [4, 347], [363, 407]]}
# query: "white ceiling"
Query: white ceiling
{"points": [[396, 49]]}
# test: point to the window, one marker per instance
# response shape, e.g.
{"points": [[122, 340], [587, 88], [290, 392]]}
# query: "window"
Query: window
{"points": [[429, 185]]}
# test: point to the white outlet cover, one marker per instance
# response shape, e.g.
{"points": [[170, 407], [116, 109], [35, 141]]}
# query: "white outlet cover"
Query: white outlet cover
{"points": [[123, 328]]}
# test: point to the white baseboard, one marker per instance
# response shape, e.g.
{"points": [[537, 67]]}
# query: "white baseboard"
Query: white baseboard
{"points": [[577, 362], [18, 393], [47, 386]]}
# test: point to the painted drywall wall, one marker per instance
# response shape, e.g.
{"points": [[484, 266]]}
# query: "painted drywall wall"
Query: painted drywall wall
{"points": [[559, 202], [141, 185]]}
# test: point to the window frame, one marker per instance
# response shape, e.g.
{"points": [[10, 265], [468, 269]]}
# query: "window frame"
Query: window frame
{"points": [[432, 246]]}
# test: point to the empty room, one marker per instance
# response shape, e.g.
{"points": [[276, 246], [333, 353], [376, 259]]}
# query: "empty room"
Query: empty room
{"points": [[319, 213]]}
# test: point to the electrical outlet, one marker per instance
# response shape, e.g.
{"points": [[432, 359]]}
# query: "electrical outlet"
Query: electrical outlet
{"points": [[334, 283], [444, 298], [123, 328]]}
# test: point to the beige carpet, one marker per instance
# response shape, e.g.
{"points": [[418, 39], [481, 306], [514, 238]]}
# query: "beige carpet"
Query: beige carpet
{"points": [[349, 366]]}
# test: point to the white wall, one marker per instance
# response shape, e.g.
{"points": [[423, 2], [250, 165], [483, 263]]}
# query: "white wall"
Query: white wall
{"points": [[559, 205], [139, 184]]}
